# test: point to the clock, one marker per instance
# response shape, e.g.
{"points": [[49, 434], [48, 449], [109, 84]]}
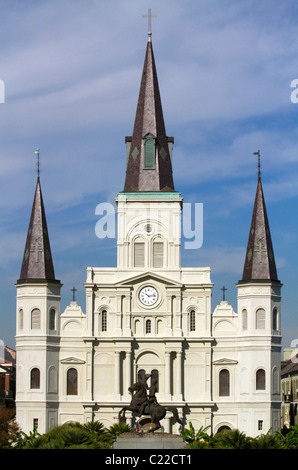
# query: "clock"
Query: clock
{"points": [[148, 295]]}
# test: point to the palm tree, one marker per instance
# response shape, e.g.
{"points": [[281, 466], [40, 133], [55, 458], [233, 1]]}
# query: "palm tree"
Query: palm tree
{"points": [[231, 439], [267, 441]]}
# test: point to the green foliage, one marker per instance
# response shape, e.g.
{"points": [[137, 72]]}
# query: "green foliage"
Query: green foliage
{"points": [[267, 441], [235, 439], [9, 429], [230, 439], [92, 435], [199, 440], [117, 429], [291, 438]]}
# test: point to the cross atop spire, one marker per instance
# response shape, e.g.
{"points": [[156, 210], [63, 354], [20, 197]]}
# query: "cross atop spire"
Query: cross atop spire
{"points": [[259, 163], [149, 16], [259, 261], [38, 162]]}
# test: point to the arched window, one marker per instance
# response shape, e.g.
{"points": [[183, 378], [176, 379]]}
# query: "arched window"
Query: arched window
{"points": [[148, 326], [224, 383], [260, 319], [35, 378], [104, 321], [244, 319], [72, 382], [139, 253], [149, 157], [275, 319], [260, 379], [192, 320], [21, 319], [35, 319], [52, 319]]}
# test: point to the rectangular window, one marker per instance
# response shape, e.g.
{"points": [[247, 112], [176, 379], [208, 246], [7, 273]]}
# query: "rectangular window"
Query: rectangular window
{"points": [[260, 425], [158, 255], [35, 424], [139, 255]]}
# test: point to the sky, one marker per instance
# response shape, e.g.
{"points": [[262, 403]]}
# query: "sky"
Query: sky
{"points": [[71, 71]]}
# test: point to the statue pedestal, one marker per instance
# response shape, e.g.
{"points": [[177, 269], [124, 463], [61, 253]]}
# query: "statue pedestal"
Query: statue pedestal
{"points": [[157, 440]]}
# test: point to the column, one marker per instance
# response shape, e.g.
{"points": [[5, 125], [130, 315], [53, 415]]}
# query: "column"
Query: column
{"points": [[179, 375], [168, 376], [117, 375], [128, 373]]}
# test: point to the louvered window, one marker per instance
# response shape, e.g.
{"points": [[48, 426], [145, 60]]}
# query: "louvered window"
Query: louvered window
{"points": [[148, 326], [139, 254], [260, 319], [149, 162], [35, 319], [244, 319], [158, 254]]}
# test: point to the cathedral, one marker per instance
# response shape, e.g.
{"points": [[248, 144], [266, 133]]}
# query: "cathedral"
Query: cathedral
{"points": [[149, 315]]}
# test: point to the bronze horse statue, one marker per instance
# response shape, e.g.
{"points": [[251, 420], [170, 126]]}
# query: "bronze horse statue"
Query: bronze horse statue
{"points": [[142, 404]]}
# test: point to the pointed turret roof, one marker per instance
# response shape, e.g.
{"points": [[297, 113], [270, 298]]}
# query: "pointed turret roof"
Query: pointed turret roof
{"points": [[149, 125], [37, 261], [259, 261]]}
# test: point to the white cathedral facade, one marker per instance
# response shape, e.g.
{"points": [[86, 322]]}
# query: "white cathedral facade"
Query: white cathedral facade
{"points": [[219, 369]]}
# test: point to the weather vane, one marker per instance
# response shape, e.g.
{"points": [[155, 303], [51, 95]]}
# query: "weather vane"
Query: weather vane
{"points": [[149, 16], [38, 164], [259, 163]]}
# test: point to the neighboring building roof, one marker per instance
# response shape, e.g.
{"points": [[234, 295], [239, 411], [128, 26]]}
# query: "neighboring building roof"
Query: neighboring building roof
{"points": [[288, 367], [37, 261], [149, 123], [9, 356], [259, 261]]}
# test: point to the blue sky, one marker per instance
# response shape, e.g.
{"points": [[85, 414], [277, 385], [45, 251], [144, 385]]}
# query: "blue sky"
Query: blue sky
{"points": [[72, 71]]}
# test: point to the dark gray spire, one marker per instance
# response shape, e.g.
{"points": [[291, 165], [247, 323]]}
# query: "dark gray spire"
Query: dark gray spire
{"points": [[149, 166], [37, 261], [259, 261]]}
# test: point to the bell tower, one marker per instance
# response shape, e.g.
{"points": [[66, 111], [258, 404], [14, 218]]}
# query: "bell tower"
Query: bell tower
{"points": [[149, 208], [259, 310], [37, 327]]}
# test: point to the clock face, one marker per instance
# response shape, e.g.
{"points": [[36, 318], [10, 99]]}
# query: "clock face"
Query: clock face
{"points": [[148, 295]]}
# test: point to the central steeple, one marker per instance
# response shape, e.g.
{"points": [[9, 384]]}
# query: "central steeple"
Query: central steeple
{"points": [[149, 165]]}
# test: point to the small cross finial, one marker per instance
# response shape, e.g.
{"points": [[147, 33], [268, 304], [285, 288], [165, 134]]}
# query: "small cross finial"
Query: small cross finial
{"points": [[259, 163], [73, 290], [149, 16], [224, 289], [38, 164]]}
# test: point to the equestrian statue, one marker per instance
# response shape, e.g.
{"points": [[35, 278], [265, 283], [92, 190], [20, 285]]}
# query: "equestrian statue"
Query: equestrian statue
{"points": [[144, 403]]}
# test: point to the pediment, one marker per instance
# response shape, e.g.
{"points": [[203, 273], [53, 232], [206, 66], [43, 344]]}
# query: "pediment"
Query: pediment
{"points": [[225, 361], [72, 360], [147, 277]]}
